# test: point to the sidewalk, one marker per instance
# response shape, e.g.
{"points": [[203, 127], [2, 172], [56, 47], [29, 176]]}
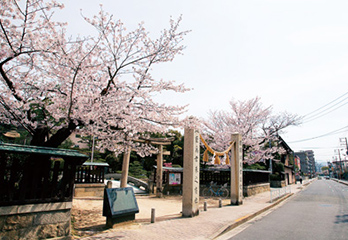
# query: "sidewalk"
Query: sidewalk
{"points": [[207, 225], [340, 181]]}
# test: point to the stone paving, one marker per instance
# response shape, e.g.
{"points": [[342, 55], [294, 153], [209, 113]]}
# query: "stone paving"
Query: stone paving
{"points": [[207, 225]]}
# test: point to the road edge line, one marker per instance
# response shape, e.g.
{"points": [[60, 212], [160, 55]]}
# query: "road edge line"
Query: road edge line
{"points": [[247, 218]]}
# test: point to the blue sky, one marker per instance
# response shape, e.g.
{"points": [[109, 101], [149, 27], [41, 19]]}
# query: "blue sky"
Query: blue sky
{"points": [[291, 53]]}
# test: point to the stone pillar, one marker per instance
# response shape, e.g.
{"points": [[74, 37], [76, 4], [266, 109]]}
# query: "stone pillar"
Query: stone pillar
{"points": [[159, 172], [190, 197], [125, 167], [237, 170]]}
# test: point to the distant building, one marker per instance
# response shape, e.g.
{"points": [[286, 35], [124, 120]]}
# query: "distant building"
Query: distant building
{"points": [[77, 140], [297, 162], [339, 168], [307, 162], [288, 160], [312, 164]]}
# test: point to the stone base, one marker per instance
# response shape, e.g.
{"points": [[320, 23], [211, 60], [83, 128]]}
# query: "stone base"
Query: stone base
{"points": [[112, 222], [172, 190], [255, 189], [36, 221], [89, 190]]}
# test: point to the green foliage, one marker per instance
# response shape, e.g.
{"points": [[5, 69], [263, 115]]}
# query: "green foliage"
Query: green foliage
{"points": [[278, 167], [23, 139], [176, 166], [67, 144], [275, 177], [136, 170], [256, 166], [291, 159], [324, 168], [296, 168], [115, 163], [175, 149]]}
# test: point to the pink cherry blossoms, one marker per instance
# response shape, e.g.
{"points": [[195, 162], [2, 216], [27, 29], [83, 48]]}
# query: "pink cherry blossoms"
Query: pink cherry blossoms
{"points": [[51, 85], [257, 125]]}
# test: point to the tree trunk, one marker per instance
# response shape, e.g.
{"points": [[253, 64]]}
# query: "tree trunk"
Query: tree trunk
{"points": [[41, 137]]}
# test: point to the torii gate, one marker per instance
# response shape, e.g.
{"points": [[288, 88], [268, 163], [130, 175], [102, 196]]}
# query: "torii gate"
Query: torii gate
{"points": [[190, 202], [159, 176]]}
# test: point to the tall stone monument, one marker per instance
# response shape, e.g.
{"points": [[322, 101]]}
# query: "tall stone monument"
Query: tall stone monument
{"points": [[237, 170], [159, 172], [190, 202]]}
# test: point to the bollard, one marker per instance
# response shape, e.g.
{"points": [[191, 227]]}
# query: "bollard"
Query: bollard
{"points": [[205, 205], [153, 215], [220, 203]]}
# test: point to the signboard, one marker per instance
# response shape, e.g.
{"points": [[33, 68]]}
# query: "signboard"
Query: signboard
{"points": [[174, 178], [119, 202]]}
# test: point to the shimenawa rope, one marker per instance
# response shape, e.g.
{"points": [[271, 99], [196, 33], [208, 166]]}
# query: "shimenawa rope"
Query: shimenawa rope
{"points": [[216, 154]]}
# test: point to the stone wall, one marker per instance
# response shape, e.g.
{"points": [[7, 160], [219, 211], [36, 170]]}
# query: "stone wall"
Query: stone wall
{"points": [[89, 190], [36, 221], [255, 189]]}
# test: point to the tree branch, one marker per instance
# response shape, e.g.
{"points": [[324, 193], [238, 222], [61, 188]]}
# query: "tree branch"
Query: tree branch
{"points": [[16, 118], [7, 39]]}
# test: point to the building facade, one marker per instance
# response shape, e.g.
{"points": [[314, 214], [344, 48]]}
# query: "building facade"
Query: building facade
{"points": [[307, 162]]}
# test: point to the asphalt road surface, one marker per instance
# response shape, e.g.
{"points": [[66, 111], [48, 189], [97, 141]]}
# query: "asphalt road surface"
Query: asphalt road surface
{"points": [[320, 211]]}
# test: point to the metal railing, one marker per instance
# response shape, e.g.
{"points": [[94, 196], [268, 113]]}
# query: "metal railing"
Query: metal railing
{"points": [[279, 192]]}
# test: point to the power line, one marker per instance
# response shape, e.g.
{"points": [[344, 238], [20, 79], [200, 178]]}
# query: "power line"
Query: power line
{"points": [[314, 118], [318, 148], [326, 109], [326, 105], [324, 135]]}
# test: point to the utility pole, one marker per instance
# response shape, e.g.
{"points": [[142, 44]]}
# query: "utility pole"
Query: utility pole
{"points": [[345, 143], [344, 140], [339, 157]]}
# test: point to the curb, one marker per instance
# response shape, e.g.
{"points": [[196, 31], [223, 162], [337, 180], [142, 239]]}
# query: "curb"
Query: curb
{"points": [[246, 218], [339, 181]]}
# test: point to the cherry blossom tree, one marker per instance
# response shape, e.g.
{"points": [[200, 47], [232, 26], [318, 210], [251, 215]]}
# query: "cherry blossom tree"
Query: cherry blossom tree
{"points": [[52, 84], [257, 125]]}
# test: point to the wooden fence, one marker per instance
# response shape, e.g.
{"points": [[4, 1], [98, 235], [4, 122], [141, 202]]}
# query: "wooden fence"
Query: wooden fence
{"points": [[222, 176], [36, 175], [89, 174]]}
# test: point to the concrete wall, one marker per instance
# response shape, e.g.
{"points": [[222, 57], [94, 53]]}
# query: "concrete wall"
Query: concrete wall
{"points": [[255, 189], [89, 190], [36, 221]]}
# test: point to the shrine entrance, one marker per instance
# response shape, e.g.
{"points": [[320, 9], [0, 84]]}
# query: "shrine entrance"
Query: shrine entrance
{"points": [[159, 142], [191, 174]]}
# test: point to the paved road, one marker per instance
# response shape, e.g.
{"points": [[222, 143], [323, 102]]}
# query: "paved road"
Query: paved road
{"points": [[318, 212]]}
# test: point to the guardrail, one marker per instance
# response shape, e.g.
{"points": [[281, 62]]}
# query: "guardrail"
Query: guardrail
{"points": [[277, 193]]}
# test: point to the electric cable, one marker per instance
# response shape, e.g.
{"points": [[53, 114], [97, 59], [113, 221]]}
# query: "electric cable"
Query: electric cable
{"points": [[324, 135], [326, 105], [312, 119]]}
